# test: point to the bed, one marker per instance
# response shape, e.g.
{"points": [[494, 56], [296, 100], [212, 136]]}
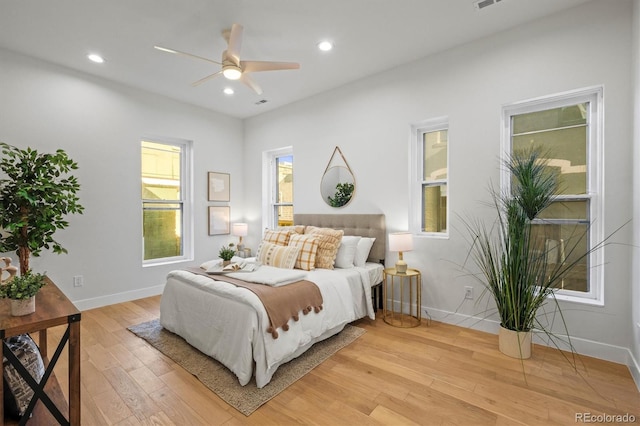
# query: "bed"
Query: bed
{"points": [[230, 323]]}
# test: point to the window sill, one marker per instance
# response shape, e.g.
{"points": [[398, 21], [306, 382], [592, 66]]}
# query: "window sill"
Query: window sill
{"points": [[436, 235], [164, 262], [584, 300]]}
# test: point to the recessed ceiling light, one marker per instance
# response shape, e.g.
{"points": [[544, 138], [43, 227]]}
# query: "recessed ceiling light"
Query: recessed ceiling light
{"points": [[95, 58], [228, 91], [325, 46]]}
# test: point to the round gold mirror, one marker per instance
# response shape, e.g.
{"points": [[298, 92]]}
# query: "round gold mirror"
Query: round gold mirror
{"points": [[337, 186]]}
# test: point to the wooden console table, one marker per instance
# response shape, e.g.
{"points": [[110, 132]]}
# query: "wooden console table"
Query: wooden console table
{"points": [[53, 308]]}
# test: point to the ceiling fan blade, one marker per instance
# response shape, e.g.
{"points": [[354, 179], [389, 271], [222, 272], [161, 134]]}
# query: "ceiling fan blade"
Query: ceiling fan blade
{"points": [[207, 78], [177, 52], [256, 66], [235, 42], [251, 83]]}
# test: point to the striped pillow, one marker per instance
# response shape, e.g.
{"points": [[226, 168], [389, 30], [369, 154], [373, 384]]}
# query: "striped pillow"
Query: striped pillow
{"points": [[328, 243], [308, 245], [278, 256], [280, 238]]}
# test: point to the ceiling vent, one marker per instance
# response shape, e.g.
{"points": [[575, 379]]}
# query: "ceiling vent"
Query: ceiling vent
{"points": [[481, 4], [261, 101]]}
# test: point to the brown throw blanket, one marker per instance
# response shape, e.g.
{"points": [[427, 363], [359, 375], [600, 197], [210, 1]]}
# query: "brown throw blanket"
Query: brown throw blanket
{"points": [[281, 303]]}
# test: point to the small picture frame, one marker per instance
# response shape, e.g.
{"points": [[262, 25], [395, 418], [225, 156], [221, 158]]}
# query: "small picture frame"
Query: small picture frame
{"points": [[219, 220], [219, 185]]}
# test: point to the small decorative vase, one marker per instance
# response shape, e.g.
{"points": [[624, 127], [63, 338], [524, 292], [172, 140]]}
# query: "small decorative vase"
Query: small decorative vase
{"points": [[20, 307], [225, 263], [516, 344]]}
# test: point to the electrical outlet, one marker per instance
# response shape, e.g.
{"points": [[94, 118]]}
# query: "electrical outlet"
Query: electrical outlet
{"points": [[468, 292], [78, 281]]}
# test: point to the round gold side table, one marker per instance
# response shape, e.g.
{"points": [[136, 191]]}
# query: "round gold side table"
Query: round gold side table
{"points": [[409, 294]]}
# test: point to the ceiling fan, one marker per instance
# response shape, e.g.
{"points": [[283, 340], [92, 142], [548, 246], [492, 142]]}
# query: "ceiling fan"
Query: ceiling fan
{"points": [[232, 67]]}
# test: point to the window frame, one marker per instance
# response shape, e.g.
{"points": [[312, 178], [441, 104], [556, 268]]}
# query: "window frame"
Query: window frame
{"points": [[186, 200], [270, 186], [416, 166], [593, 96]]}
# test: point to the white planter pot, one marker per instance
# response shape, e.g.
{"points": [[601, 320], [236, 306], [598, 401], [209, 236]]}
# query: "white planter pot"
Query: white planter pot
{"points": [[20, 307], [516, 344]]}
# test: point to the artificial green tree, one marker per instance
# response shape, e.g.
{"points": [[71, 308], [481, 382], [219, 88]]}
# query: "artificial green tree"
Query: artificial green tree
{"points": [[37, 192]]}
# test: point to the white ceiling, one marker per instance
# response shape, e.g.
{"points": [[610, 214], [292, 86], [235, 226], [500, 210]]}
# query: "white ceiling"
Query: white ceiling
{"points": [[370, 36]]}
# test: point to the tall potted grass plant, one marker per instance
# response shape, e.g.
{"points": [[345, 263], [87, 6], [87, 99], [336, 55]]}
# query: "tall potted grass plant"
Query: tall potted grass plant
{"points": [[513, 263]]}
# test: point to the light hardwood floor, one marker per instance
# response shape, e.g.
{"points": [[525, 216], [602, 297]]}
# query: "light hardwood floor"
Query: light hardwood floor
{"points": [[430, 375]]}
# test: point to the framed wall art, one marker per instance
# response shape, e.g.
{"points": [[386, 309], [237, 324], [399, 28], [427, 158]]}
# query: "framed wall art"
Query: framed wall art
{"points": [[219, 220], [219, 186]]}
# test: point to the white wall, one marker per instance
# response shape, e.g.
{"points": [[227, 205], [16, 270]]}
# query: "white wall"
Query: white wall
{"points": [[370, 121], [635, 281], [100, 124]]}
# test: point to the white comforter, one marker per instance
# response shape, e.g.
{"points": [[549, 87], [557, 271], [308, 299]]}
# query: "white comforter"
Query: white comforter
{"points": [[228, 323]]}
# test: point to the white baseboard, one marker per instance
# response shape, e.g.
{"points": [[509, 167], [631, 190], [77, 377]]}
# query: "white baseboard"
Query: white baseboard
{"points": [[462, 320], [634, 368], [98, 302], [586, 347]]}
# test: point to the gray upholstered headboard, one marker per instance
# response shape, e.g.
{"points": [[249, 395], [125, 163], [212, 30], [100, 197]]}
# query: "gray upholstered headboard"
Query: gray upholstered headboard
{"points": [[364, 225]]}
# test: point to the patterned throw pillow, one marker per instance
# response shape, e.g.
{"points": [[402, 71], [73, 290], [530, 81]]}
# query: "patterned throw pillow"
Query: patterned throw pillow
{"points": [[328, 243], [308, 245], [17, 393], [278, 256], [297, 229], [280, 238]]}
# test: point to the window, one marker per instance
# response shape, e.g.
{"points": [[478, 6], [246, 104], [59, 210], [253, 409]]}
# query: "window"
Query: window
{"points": [[278, 190], [430, 177], [165, 212], [567, 128]]}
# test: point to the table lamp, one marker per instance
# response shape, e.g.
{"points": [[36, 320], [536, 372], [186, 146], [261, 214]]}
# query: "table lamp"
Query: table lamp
{"points": [[240, 230], [401, 242]]}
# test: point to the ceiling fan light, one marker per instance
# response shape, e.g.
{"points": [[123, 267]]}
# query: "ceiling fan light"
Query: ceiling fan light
{"points": [[232, 72]]}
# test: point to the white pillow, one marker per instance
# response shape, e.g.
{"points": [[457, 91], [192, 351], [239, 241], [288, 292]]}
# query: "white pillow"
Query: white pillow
{"points": [[347, 251], [362, 251]]}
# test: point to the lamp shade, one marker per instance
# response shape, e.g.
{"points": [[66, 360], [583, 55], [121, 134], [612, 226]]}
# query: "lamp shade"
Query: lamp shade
{"points": [[401, 241], [240, 229]]}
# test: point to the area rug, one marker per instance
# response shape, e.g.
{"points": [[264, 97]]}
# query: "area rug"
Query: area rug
{"points": [[215, 376]]}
